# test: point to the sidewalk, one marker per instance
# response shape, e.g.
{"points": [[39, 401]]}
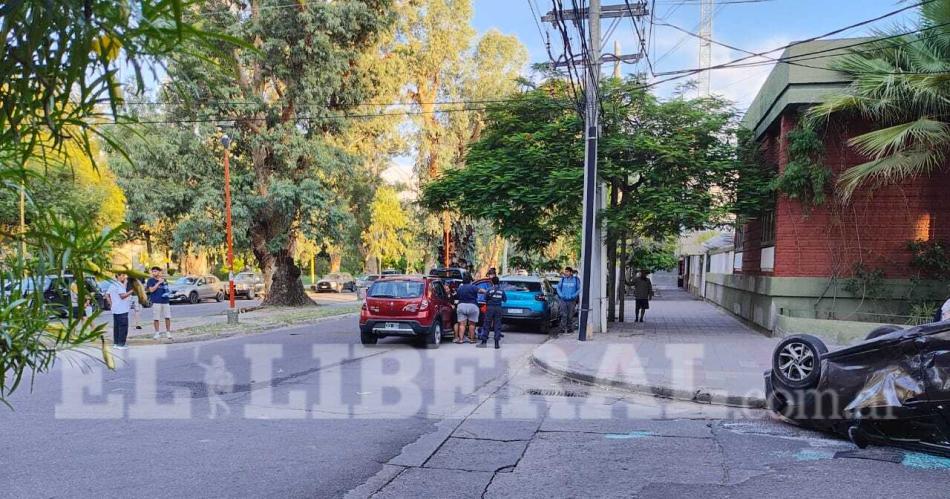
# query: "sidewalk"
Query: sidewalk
{"points": [[687, 349]]}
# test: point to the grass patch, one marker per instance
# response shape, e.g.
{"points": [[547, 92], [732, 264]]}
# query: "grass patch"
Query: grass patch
{"points": [[266, 319]]}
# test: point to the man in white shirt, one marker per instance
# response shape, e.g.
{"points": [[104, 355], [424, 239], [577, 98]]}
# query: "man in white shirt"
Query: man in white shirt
{"points": [[120, 302]]}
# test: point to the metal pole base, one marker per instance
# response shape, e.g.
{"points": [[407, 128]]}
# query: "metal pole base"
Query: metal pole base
{"points": [[232, 316]]}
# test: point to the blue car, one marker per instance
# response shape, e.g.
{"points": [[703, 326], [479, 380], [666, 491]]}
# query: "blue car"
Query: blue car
{"points": [[530, 299]]}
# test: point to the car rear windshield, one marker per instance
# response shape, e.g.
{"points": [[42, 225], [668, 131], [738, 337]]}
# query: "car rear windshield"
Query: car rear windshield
{"points": [[396, 289], [521, 286], [446, 273]]}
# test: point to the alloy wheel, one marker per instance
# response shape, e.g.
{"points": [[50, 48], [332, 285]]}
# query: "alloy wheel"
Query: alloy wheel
{"points": [[796, 361]]}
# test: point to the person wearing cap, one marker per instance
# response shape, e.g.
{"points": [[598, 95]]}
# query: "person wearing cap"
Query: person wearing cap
{"points": [[568, 290]]}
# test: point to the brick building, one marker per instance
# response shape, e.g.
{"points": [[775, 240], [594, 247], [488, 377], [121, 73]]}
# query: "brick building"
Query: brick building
{"points": [[832, 261]]}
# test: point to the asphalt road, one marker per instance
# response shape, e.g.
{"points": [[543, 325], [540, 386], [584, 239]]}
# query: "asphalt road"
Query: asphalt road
{"points": [[308, 412], [211, 307]]}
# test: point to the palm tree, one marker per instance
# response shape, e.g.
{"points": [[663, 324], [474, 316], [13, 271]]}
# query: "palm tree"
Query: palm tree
{"points": [[901, 83]]}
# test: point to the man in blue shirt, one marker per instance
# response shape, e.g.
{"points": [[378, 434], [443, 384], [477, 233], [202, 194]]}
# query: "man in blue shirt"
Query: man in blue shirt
{"points": [[157, 290], [568, 290]]}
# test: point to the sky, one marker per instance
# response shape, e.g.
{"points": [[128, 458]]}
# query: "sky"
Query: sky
{"points": [[756, 25]]}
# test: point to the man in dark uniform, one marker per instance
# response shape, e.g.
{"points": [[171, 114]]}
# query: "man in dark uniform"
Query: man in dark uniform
{"points": [[494, 299]]}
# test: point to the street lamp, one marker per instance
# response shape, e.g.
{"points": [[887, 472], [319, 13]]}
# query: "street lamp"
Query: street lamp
{"points": [[232, 312]]}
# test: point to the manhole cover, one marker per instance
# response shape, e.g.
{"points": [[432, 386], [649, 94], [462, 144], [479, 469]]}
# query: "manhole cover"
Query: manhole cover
{"points": [[555, 393]]}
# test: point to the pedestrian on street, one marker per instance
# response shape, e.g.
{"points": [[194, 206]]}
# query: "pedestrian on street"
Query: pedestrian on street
{"points": [[135, 306], [157, 288], [120, 301], [494, 299], [568, 290], [467, 310], [642, 294]]}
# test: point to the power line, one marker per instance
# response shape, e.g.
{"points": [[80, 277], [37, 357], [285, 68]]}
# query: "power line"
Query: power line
{"points": [[814, 38], [793, 59]]}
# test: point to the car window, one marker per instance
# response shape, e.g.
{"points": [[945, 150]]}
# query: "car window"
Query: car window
{"points": [[333, 276], [438, 291], [396, 289], [185, 281], [532, 286]]}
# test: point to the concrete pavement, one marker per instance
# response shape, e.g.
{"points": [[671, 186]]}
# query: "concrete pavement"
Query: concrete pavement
{"points": [[686, 349]]}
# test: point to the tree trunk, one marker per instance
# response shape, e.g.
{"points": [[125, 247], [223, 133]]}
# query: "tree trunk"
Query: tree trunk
{"points": [[286, 289], [148, 242], [283, 286], [335, 260]]}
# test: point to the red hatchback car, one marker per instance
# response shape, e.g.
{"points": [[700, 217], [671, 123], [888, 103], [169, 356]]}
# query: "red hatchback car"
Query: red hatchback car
{"points": [[416, 307]]}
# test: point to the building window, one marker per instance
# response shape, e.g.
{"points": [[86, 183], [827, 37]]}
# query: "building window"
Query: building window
{"points": [[740, 235], [768, 228]]}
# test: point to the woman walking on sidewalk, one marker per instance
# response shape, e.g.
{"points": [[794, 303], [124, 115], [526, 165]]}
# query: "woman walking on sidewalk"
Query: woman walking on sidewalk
{"points": [[642, 293]]}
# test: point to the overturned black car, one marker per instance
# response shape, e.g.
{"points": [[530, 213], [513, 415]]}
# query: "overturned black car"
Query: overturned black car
{"points": [[891, 389]]}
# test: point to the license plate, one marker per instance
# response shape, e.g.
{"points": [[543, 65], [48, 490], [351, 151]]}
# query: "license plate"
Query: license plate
{"points": [[515, 311], [392, 325]]}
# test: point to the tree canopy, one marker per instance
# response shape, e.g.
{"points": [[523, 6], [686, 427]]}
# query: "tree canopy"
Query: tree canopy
{"points": [[671, 162]]}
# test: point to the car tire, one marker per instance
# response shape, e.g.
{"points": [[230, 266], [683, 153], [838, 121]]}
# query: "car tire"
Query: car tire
{"points": [[250, 294], [882, 330], [218, 297], [368, 338], [193, 298], [434, 337], [544, 326], [796, 361]]}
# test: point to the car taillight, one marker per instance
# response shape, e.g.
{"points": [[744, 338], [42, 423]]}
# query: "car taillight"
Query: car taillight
{"points": [[424, 305], [365, 307], [540, 297]]}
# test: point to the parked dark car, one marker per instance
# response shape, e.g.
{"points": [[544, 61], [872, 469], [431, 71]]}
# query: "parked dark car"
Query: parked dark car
{"points": [[406, 306], [55, 290], [893, 388], [450, 275]]}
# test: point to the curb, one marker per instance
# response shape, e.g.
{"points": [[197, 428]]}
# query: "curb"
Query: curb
{"points": [[207, 336], [698, 396]]}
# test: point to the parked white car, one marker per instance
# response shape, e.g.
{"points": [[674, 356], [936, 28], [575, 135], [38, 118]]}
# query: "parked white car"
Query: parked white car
{"points": [[193, 289], [337, 282]]}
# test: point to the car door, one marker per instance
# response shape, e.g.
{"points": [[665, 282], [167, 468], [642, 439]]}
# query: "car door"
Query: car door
{"points": [[554, 304], [211, 287], [442, 303]]}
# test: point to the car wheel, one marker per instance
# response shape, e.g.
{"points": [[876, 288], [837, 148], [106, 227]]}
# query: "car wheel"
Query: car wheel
{"points": [[796, 361], [250, 294], [882, 330], [368, 338], [544, 326], [434, 337], [193, 298], [218, 297]]}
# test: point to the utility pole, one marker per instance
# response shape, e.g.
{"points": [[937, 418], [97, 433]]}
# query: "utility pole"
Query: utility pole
{"points": [[593, 310], [232, 312], [705, 44]]}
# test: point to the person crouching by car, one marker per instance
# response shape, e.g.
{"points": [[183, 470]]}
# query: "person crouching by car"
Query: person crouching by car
{"points": [[467, 310], [494, 299]]}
